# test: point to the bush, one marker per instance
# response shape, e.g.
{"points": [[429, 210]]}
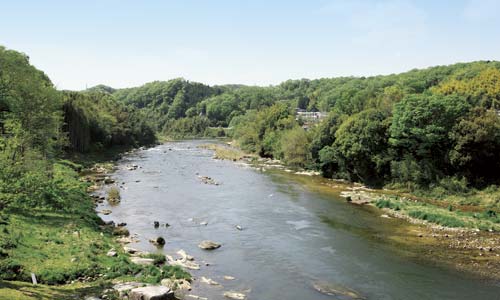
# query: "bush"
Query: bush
{"points": [[12, 270]]}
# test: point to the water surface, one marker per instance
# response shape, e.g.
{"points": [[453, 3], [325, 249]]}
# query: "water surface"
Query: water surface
{"points": [[292, 235]]}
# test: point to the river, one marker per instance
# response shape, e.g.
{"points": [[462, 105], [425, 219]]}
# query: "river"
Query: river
{"points": [[293, 235]]}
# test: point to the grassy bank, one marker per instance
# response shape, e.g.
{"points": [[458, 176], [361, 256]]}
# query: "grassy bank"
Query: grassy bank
{"points": [[452, 216], [64, 245]]}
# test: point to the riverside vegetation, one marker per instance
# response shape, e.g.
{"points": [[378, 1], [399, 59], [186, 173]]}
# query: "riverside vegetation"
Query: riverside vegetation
{"points": [[48, 225], [432, 133]]}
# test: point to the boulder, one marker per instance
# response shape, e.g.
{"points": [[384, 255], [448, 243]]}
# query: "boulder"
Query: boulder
{"points": [[130, 250], [157, 292], [125, 287], [127, 239], [106, 212], [142, 261], [159, 241], [184, 255], [176, 284], [112, 253], [208, 281], [235, 295], [209, 245], [122, 231]]}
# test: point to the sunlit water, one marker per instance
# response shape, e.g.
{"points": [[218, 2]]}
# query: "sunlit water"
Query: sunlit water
{"points": [[292, 236]]}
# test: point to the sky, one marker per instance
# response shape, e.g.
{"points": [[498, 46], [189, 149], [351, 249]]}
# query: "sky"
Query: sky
{"points": [[125, 43]]}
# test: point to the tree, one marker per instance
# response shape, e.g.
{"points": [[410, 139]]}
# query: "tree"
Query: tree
{"points": [[420, 128], [361, 146], [295, 147], [476, 144]]}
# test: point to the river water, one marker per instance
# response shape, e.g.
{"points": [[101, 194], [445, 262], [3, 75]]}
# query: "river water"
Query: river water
{"points": [[292, 236]]}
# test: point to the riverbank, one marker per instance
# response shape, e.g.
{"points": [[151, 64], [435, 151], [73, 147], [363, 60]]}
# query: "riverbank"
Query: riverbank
{"points": [[449, 231], [70, 252]]}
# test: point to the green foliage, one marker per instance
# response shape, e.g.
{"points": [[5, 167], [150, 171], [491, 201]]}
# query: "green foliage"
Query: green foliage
{"points": [[295, 147], [419, 133], [186, 127], [361, 146], [94, 119]]}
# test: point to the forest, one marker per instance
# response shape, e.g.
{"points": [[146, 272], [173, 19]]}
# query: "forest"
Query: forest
{"points": [[434, 130], [435, 127]]}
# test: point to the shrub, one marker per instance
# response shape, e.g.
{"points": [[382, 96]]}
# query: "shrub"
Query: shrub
{"points": [[12, 270]]}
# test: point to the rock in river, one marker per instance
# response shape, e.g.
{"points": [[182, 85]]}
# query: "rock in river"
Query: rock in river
{"points": [[208, 281], [157, 292], [235, 295], [208, 245], [336, 290]]}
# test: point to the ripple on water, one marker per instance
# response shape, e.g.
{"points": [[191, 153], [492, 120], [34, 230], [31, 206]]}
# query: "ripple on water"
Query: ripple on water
{"points": [[301, 224]]}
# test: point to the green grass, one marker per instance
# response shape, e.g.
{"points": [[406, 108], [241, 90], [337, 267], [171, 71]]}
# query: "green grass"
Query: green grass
{"points": [[60, 245], [386, 203], [437, 218], [449, 216], [158, 258], [15, 290]]}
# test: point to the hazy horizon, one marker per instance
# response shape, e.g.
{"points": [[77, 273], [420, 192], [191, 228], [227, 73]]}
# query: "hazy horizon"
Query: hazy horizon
{"points": [[123, 44]]}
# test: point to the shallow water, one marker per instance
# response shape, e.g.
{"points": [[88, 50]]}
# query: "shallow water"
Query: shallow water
{"points": [[292, 235]]}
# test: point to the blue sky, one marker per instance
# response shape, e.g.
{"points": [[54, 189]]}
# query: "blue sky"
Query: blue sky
{"points": [[125, 43]]}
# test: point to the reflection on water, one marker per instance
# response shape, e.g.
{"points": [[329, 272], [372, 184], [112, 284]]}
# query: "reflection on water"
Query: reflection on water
{"points": [[292, 236]]}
